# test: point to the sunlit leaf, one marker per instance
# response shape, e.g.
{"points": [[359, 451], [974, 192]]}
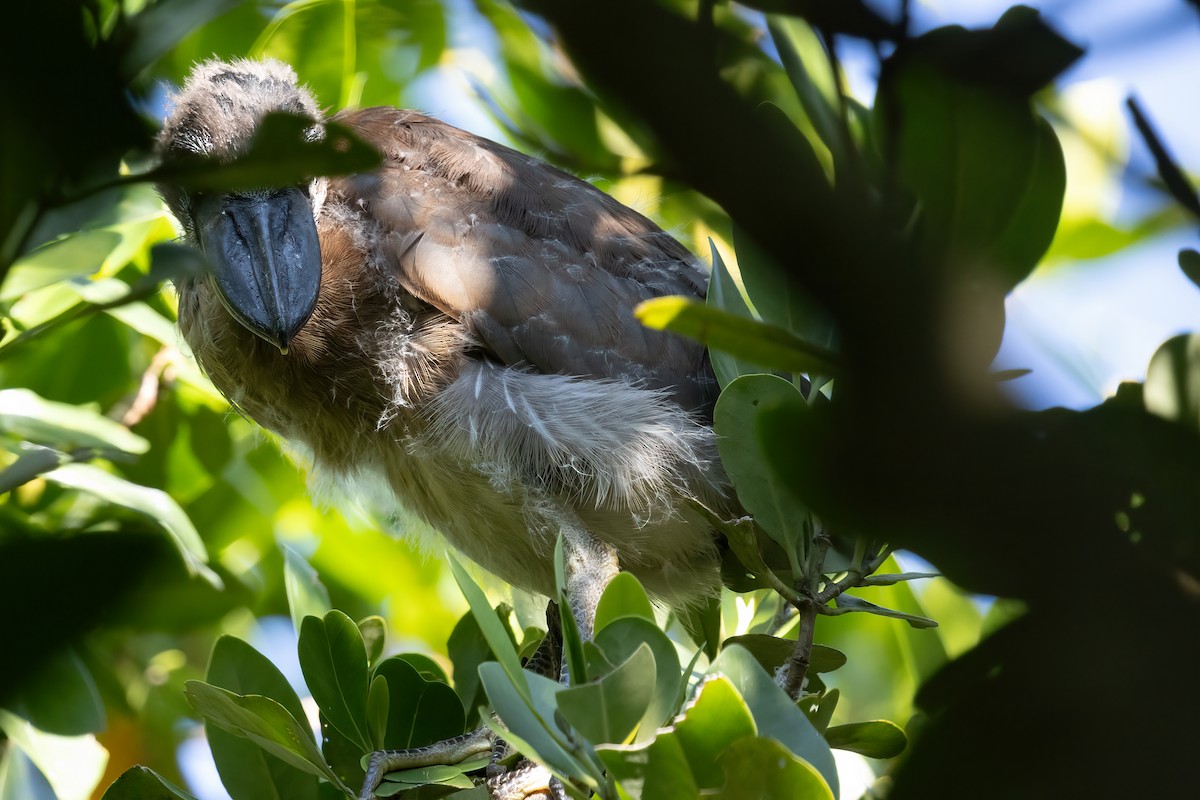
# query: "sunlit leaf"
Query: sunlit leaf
{"points": [[753, 341], [623, 597], [774, 714], [620, 640], [762, 767], [64, 426], [610, 708]]}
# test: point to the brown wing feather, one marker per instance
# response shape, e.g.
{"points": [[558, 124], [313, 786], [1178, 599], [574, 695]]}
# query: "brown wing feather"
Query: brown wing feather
{"points": [[543, 267]]}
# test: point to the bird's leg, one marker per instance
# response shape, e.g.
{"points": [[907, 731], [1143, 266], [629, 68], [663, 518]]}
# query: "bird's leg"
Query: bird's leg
{"points": [[589, 564]]}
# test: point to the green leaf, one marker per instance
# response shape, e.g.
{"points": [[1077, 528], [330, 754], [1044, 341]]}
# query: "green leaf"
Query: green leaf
{"points": [[848, 603], [656, 770], [1189, 262], [428, 669], [725, 293], [334, 662], [808, 68], [526, 726], [875, 739], [155, 504], [378, 701], [143, 783], [445, 774], [420, 711], [63, 426], [61, 698], [266, 723], [609, 709], [771, 652], [374, 633], [623, 597], [715, 720], [493, 630], [1172, 388], [774, 713], [306, 595], [71, 257], [280, 154], [780, 301], [620, 639], [703, 624], [250, 772], [761, 767], [988, 173], [747, 339], [762, 492], [892, 579]]}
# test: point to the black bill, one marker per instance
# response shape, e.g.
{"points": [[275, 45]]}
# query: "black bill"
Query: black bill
{"points": [[265, 257]]}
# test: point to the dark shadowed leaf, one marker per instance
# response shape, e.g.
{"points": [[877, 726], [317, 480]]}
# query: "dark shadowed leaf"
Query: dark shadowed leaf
{"points": [[875, 739], [143, 783], [278, 155]]}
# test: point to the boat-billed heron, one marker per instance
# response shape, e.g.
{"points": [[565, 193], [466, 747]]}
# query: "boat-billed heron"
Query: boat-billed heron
{"points": [[458, 323]]}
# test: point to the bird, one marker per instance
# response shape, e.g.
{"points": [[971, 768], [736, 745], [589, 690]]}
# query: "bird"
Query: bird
{"points": [[457, 326]]}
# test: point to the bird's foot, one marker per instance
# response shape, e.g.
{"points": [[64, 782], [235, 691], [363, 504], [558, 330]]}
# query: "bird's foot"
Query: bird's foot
{"points": [[448, 751], [526, 781]]}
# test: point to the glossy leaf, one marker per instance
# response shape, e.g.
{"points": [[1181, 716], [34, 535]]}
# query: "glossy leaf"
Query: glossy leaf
{"points": [[420, 711], [989, 174], [623, 597], [715, 720], [334, 662], [610, 708], [253, 772], [779, 301], [725, 293], [874, 739], [774, 714], [61, 698]]}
